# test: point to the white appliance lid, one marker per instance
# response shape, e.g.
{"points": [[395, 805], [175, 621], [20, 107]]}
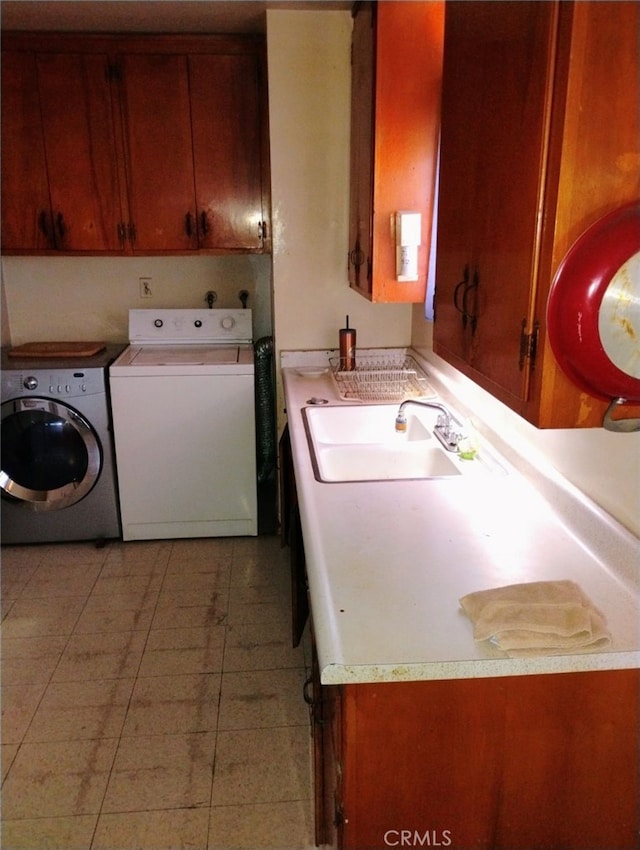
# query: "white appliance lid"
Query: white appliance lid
{"points": [[181, 355]]}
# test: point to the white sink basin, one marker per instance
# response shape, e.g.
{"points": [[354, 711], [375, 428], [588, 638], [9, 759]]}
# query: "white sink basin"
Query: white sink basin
{"points": [[367, 423], [360, 443], [384, 462]]}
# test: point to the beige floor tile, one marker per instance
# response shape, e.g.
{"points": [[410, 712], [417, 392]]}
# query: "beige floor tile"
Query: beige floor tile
{"points": [[263, 698], [175, 651], [262, 766], [19, 704], [173, 704], [100, 656], [198, 575], [161, 772], [69, 833], [133, 600], [71, 711], [55, 779], [258, 572], [30, 660], [51, 580], [114, 620], [165, 830], [285, 826], [260, 646], [201, 549], [187, 616], [73, 553], [215, 598], [8, 754], [34, 617], [137, 557], [19, 561], [145, 586]]}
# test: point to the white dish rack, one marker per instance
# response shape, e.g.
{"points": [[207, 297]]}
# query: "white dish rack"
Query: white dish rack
{"points": [[381, 378]]}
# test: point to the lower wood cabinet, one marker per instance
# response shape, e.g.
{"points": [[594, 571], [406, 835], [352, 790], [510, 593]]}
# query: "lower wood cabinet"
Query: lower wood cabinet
{"points": [[542, 761]]}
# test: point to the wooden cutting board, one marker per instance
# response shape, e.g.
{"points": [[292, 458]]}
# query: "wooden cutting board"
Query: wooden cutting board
{"points": [[57, 349]]}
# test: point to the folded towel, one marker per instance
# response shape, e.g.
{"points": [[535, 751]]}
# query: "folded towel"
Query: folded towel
{"points": [[537, 618]]}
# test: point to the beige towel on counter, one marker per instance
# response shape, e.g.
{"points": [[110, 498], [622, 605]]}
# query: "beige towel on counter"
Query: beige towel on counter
{"points": [[537, 618]]}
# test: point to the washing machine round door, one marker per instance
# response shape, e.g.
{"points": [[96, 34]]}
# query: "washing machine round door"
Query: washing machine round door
{"points": [[51, 456]]}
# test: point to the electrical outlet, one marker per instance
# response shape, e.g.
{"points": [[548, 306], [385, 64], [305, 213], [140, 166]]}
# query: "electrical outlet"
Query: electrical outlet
{"points": [[145, 287]]}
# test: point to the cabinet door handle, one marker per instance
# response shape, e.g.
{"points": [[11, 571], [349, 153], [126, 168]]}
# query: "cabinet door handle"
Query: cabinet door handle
{"points": [[262, 230], [43, 224], [471, 316], [61, 227], [356, 257], [188, 225], [464, 283], [204, 223], [131, 233], [307, 693], [122, 233]]}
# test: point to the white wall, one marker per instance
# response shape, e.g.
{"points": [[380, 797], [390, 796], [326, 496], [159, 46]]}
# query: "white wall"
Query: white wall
{"points": [[88, 298], [309, 107]]}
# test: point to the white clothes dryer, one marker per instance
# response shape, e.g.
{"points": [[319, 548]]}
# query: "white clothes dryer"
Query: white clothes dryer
{"points": [[183, 404]]}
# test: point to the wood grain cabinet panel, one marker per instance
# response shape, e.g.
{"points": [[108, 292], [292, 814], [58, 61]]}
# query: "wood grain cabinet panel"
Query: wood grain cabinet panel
{"points": [[542, 761], [539, 131], [140, 144], [395, 116], [227, 143], [157, 122], [60, 187], [26, 206]]}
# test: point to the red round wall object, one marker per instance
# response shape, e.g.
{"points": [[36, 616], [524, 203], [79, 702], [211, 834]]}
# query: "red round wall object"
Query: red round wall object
{"points": [[593, 310]]}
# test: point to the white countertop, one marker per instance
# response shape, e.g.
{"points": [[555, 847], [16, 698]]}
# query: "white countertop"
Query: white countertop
{"points": [[388, 561]]}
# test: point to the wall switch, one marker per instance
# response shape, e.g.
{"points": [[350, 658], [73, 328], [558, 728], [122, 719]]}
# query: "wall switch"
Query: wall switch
{"points": [[145, 287]]}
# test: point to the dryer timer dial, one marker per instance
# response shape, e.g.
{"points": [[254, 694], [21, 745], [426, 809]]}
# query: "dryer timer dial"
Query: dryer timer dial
{"points": [[30, 383]]}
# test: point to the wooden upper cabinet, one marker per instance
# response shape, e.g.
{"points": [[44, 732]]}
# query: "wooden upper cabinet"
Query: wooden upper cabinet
{"points": [[60, 187], [134, 144], [227, 146], [539, 126], [26, 206], [194, 141], [157, 129], [395, 120], [79, 140]]}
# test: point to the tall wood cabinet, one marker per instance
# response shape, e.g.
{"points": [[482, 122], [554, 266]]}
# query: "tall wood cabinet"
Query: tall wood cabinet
{"points": [[540, 138], [395, 114], [134, 144]]}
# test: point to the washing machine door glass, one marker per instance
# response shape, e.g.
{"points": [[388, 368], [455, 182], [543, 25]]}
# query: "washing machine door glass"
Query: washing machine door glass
{"points": [[51, 456]]}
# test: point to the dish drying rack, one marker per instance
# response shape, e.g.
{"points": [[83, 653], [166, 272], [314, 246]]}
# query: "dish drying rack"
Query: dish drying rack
{"points": [[381, 378]]}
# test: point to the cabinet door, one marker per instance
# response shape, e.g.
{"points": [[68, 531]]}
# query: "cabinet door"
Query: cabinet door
{"points": [[395, 118], [157, 118], [26, 207], [497, 86], [225, 115], [75, 99]]}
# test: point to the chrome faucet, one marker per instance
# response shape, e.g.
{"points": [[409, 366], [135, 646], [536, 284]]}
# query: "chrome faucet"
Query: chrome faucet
{"points": [[444, 428]]}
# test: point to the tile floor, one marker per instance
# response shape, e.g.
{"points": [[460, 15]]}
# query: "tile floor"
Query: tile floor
{"points": [[151, 698]]}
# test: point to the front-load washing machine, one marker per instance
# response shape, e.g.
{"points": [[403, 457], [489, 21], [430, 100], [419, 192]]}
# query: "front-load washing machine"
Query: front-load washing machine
{"points": [[183, 403], [58, 479]]}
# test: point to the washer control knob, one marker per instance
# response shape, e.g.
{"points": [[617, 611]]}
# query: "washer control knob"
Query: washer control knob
{"points": [[227, 322], [158, 323], [198, 323], [30, 383]]}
